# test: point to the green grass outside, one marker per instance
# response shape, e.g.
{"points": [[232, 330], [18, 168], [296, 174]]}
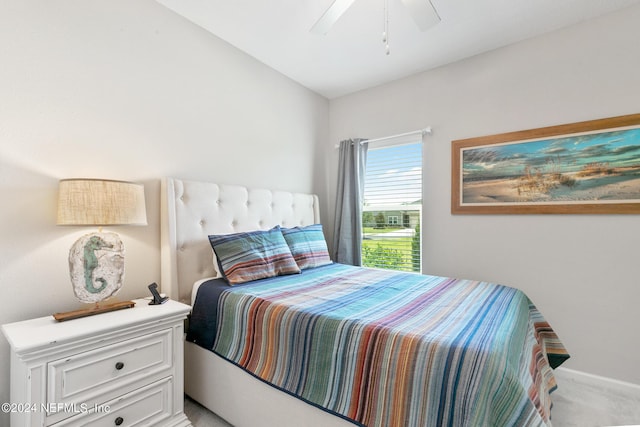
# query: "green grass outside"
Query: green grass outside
{"points": [[400, 244], [371, 230]]}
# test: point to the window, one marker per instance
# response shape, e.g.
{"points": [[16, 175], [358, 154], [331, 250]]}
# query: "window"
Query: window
{"points": [[392, 210]]}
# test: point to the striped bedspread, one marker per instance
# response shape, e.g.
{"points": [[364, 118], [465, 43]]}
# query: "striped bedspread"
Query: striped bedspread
{"points": [[386, 349]]}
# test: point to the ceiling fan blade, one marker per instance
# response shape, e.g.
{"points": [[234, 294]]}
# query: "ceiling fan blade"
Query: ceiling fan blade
{"points": [[331, 15], [423, 13]]}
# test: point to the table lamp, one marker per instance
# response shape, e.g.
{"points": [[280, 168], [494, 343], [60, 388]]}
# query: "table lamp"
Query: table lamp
{"points": [[96, 260]]}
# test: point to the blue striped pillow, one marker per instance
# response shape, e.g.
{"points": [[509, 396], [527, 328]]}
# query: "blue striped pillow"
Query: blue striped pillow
{"points": [[253, 255], [307, 245]]}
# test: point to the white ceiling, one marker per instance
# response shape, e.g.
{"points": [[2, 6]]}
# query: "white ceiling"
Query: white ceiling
{"points": [[352, 57]]}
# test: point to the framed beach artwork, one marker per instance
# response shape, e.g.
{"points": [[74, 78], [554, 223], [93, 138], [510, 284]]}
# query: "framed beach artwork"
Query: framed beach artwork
{"points": [[589, 167]]}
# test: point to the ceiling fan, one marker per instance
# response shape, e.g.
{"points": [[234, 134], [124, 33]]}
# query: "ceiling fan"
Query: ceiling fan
{"points": [[422, 12]]}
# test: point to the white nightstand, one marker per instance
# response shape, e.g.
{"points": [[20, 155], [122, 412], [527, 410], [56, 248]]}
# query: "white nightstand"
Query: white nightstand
{"points": [[123, 368]]}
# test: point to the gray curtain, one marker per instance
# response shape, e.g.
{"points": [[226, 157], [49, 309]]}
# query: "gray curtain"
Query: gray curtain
{"points": [[347, 233]]}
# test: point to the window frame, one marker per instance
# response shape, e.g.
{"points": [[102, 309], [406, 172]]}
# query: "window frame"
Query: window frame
{"points": [[408, 258]]}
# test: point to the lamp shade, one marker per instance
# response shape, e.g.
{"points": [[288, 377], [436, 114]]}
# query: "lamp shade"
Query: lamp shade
{"points": [[101, 202]]}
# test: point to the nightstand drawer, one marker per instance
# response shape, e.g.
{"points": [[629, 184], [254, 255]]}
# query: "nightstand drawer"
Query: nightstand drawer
{"points": [[147, 406], [87, 378]]}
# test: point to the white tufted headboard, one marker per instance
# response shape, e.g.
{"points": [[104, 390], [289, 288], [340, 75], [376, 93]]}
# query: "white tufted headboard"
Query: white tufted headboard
{"points": [[193, 210]]}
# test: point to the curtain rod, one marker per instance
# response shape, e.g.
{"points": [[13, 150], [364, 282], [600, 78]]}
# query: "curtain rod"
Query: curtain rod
{"points": [[424, 131]]}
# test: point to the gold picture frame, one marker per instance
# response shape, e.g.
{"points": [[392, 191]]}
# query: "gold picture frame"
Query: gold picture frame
{"points": [[590, 167]]}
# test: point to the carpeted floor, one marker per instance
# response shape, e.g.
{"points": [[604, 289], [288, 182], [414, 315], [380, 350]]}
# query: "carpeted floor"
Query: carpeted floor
{"points": [[201, 416]]}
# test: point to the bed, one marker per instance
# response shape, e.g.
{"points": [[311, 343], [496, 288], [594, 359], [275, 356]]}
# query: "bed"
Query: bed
{"points": [[334, 345]]}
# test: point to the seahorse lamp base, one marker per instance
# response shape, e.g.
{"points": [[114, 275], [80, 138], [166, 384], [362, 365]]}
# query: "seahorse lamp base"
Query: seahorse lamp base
{"points": [[96, 266]]}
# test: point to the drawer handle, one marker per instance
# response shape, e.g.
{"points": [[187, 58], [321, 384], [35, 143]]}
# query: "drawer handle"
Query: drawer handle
{"points": [[119, 366], [119, 421]]}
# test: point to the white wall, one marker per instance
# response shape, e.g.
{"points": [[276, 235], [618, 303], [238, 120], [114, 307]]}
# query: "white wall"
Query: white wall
{"points": [[581, 271], [127, 90]]}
